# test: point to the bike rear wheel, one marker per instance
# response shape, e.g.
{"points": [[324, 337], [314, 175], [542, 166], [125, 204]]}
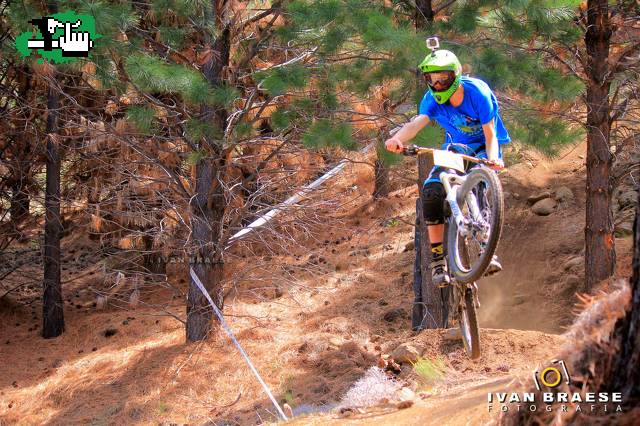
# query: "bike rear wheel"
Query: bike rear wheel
{"points": [[449, 309], [469, 324], [480, 244]]}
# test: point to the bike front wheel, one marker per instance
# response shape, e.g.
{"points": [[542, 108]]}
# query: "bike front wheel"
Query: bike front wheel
{"points": [[470, 252]]}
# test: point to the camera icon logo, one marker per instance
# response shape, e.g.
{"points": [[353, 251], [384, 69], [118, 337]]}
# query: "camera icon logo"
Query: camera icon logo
{"points": [[551, 377]]}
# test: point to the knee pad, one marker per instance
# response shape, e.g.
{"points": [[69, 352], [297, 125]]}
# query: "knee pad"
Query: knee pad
{"points": [[433, 196]]}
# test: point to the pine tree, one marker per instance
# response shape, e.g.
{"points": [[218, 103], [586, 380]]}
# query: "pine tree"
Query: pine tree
{"points": [[53, 314], [52, 305]]}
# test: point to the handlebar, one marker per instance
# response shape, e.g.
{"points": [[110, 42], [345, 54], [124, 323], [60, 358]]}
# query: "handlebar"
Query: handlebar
{"points": [[413, 150]]}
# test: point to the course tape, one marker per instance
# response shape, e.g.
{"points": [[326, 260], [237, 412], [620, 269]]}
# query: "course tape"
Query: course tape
{"points": [[293, 199], [226, 327]]}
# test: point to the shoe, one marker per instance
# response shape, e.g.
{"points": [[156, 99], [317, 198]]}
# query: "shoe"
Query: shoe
{"points": [[439, 273], [494, 267]]}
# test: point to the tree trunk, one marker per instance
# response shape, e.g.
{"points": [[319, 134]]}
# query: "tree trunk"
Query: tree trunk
{"points": [[381, 189], [599, 237], [153, 262], [625, 375], [423, 13], [430, 295], [19, 208], [208, 205], [207, 208], [52, 306], [422, 17]]}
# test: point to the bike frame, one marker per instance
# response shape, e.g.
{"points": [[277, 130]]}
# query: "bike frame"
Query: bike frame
{"points": [[451, 182]]}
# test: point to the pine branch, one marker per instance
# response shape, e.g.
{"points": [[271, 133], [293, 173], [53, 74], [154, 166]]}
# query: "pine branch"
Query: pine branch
{"points": [[577, 54], [619, 64], [264, 105], [275, 8], [368, 58], [162, 49], [238, 115], [302, 57], [614, 100], [621, 108], [443, 6], [134, 146], [557, 57], [263, 35], [268, 158]]}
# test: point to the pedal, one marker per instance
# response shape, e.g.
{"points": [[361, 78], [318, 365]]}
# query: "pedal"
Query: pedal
{"points": [[445, 283]]}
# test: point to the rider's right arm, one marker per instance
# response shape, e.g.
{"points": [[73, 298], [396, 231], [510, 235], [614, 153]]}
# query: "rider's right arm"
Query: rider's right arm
{"points": [[406, 133]]}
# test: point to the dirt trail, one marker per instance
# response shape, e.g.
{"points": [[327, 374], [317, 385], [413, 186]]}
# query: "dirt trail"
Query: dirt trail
{"points": [[463, 406], [536, 288], [459, 397], [313, 316]]}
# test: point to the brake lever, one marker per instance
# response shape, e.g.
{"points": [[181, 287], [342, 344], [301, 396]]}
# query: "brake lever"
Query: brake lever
{"points": [[488, 163], [410, 150]]}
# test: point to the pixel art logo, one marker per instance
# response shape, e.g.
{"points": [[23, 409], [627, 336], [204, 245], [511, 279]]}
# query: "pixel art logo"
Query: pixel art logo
{"points": [[62, 37]]}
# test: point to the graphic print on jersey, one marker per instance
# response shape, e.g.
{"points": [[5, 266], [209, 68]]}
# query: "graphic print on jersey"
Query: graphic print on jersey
{"points": [[466, 124]]}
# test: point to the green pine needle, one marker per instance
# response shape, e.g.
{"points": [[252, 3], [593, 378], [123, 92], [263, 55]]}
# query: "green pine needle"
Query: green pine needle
{"points": [[281, 118], [547, 135], [196, 130], [277, 81], [142, 117], [224, 95], [325, 134], [152, 74], [173, 36]]}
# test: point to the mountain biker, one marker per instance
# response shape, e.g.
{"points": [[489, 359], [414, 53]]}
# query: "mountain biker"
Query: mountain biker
{"points": [[467, 109]]}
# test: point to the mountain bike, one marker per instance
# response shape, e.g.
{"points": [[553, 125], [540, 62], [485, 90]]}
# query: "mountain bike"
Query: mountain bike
{"points": [[473, 225]]}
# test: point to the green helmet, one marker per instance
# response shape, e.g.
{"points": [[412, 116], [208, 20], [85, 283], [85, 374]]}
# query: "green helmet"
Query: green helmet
{"points": [[439, 61]]}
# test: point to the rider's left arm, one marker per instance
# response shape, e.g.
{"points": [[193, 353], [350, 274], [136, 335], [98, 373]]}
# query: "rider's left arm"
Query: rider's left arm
{"points": [[492, 145]]}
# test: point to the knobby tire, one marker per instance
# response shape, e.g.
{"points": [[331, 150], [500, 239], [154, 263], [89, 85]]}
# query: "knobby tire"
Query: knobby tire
{"points": [[468, 315], [496, 205]]}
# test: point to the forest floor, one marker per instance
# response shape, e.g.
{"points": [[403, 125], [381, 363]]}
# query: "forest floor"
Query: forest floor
{"points": [[314, 318]]}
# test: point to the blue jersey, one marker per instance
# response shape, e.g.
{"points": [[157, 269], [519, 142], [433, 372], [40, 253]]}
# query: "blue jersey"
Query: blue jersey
{"points": [[463, 124]]}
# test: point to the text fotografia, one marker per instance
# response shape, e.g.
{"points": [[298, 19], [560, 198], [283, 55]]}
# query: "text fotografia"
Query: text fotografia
{"points": [[602, 402]]}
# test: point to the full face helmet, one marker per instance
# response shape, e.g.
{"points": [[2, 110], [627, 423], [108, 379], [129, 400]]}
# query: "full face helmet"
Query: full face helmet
{"points": [[442, 71]]}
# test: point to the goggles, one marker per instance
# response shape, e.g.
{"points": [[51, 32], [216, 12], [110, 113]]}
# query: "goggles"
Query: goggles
{"points": [[444, 78]]}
